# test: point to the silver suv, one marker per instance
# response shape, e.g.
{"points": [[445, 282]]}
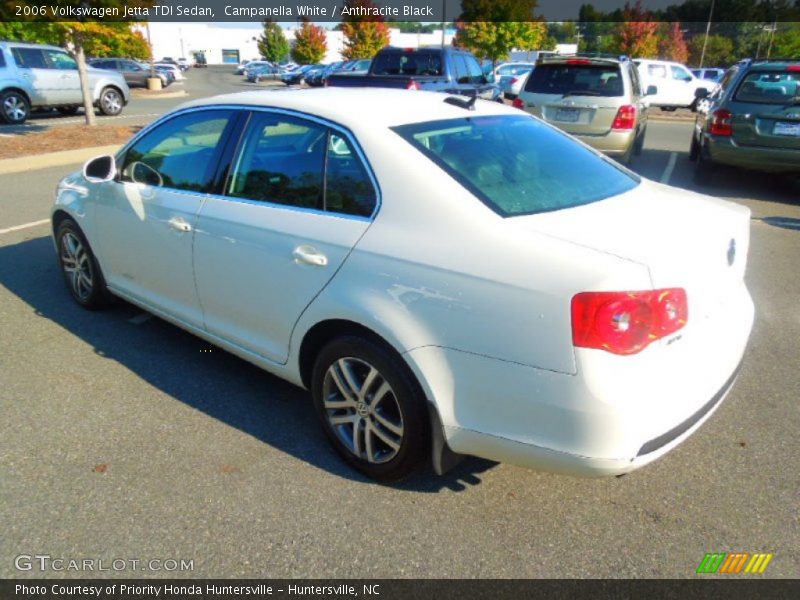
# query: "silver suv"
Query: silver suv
{"points": [[598, 99], [36, 76]]}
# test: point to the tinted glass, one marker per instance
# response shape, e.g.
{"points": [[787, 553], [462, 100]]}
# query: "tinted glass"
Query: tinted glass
{"points": [[576, 80], [61, 60], [769, 87], [659, 71], [473, 69], [517, 165], [282, 161], [408, 63], [29, 58], [2, 58], [179, 153], [348, 188], [462, 75]]}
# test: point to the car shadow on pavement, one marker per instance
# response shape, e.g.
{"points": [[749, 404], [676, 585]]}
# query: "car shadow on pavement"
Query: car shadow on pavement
{"points": [[196, 373]]}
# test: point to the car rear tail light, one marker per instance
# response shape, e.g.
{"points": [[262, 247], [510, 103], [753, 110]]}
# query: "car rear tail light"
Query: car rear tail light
{"points": [[518, 103], [514, 80], [627, 322], [793, 68], [626, 118], [721, 123], [412, 85]]}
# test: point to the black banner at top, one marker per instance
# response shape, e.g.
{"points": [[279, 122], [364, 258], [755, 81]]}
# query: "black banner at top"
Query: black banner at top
{"points": [[424, 11]]}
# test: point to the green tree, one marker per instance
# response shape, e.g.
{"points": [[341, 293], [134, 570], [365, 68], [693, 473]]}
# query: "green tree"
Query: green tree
{"points": [[363, 35], [786, 43], [310, 44], [719, 51], [493, 28], [272, 43]]}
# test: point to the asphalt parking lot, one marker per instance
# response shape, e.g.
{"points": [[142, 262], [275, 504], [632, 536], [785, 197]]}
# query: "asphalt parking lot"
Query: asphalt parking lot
{"points": [[124, 437]]}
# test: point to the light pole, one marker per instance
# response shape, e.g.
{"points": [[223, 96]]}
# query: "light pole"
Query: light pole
{"points": [[705, 40], [444, 19]]}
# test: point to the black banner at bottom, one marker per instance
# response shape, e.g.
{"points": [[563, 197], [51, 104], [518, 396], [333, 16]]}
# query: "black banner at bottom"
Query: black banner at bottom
{"points": [[393, 589]]}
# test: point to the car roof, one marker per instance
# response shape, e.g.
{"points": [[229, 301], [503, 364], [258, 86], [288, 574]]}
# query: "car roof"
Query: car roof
{"points": [[29, 45], [352, 107]]}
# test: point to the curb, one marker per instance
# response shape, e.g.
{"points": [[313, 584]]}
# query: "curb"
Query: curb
{"points": [[157, 95], [53, 159]]}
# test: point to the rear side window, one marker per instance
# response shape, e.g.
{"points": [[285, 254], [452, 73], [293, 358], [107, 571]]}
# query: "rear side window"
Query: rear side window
{"points": [[659, 71], [178, 154], [576, 80], [517, 165], [769, 87], [408, 63], [29, 58], [291, 161], [2, 59]]}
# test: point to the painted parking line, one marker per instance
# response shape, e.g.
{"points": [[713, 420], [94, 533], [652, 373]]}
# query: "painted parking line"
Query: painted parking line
{"points": [[673, 157], [140, 318], [24, 226]]}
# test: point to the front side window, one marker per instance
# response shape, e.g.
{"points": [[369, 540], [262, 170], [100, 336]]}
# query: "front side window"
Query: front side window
{"points": [[2, 59], [29, 58], [61, 60], [179, 153], [680, 74], [473, 69], [769, 87], [295, 162], [576, 80], [518, 165]]}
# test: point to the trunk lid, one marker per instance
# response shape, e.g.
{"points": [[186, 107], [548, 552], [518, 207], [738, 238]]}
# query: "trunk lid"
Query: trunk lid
{"points": [[685, 239]]}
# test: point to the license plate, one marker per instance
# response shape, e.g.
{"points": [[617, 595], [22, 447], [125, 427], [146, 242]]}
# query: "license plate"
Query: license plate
{"points": [[785, 128], [568, 115]]}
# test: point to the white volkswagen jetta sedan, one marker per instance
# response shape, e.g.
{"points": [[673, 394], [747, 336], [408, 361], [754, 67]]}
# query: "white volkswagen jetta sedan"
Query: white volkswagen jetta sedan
{"points": [[445, 276]]}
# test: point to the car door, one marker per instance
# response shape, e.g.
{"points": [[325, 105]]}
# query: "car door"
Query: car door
{"points": [[683, 85], [65, 76], [146, 218], [32, 67], [297, 201]]}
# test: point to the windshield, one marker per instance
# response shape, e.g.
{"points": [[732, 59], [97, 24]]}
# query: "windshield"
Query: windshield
{"points": [[576, 80], [518, 165], [769, 87]]}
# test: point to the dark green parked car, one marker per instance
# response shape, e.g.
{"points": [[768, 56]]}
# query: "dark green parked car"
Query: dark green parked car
{"points": [[751, 121]]}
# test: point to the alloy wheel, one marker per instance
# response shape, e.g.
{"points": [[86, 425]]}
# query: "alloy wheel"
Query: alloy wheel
{"points": [[15, 108], [112, 103], [77, 266], [363, 410]]}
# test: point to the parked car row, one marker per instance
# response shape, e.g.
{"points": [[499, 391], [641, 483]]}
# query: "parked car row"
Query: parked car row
{"points": [[34, 76], [135, 73]]}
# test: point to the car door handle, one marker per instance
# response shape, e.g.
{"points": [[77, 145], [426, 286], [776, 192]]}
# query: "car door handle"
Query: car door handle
{"points": [[179, 224], [310, 256]]}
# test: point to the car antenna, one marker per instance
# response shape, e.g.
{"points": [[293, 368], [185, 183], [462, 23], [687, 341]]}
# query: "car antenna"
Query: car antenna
{"points": [[461, 102]]}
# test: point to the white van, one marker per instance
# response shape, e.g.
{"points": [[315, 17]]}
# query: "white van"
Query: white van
{"points": [[676, 84]]}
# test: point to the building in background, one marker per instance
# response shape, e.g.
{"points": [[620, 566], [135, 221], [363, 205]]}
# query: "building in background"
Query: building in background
{"points": [[232, 44]]}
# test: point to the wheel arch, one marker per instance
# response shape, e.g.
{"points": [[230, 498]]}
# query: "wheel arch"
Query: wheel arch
{"points": [[19, 90], [103, 86]]}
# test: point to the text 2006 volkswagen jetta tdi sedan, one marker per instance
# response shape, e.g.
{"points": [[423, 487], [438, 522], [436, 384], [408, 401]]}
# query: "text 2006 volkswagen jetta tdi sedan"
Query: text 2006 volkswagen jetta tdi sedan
{"points": [[446, 277]]}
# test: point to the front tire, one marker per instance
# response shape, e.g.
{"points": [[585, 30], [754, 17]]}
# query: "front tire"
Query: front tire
{"points": [[14, 108], [111, 102], [371, 407], [79, 266]]}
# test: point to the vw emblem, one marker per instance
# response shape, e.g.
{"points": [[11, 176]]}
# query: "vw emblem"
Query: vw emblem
{"points": [[731, 252], [362, 409], [793, 115]]}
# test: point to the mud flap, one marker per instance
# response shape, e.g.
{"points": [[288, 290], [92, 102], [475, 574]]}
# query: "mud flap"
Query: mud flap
{"points": [[443, 457]]}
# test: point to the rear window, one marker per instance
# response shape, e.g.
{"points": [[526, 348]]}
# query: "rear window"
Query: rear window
{"points": [[517, 165], [769, 87], [408, 63], [576, 80]]}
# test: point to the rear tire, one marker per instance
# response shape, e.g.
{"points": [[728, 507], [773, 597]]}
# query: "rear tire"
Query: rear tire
{"points": [[694, 149], [82, 274], [14, 108], [639, 143], [111, 102], [705, 168], [371, 407]]}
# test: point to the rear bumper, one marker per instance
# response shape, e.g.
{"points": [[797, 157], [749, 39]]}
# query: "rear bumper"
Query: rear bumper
{"points": [[613, 143], [726, 151], [614, 416]]}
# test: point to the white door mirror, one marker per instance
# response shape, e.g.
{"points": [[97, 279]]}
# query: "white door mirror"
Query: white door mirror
{"points": [[100, 169]]}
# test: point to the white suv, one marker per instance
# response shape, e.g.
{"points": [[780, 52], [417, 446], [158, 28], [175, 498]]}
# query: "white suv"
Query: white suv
{"points": [[675, 82], [36, 76]]}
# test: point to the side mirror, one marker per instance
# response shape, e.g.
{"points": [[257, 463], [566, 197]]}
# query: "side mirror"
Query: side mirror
{"points": [[651, 90], [100, 169], [701, 93]]}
